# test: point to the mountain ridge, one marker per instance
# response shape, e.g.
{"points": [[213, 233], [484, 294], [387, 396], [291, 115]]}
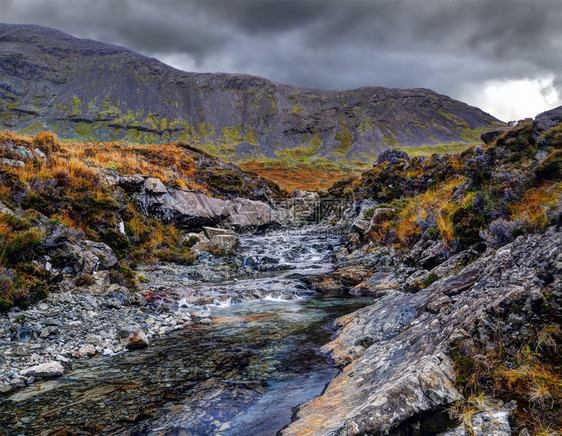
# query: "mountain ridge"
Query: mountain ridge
{"points": [[89, 90]]}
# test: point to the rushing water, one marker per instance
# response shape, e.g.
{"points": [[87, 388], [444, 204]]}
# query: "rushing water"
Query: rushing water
{"points": [[242, 375]]}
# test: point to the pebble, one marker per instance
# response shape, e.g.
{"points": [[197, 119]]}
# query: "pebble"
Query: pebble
{"points": [[67, 326]]}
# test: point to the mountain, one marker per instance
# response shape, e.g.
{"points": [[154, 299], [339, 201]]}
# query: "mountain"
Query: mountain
{"points": [[88, 90]]}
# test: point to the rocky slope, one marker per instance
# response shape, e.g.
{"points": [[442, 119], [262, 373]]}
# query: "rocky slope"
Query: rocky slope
{"points": [[78, 214], [89, 90], [463, 254], [400, 356]]}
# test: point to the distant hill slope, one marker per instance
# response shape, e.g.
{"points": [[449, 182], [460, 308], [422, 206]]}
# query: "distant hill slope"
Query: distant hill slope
{"points": [[90, 90]]}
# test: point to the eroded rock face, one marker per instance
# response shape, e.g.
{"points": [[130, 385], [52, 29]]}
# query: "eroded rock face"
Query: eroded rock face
{"points": [[395, 353]]}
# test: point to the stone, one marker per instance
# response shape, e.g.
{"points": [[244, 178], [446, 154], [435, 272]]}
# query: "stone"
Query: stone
{"points": [[193, 210], [392, 156], [211, 232], [491, 136], [5, 389], [21, 351], [106, 256], [48, 369], [133, 338], [86, 350], [5, 209], [155, 186], [224, 245], [132, 183], [360, 226], [494, 423]]}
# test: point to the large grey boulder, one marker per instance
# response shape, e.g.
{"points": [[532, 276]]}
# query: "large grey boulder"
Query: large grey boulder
{"points": [[194, 210]]}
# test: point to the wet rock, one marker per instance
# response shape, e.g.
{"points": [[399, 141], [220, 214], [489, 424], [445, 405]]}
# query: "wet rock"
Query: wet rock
{"points": [[394, 353], [224, 245], [48, 369], [133, 338]]}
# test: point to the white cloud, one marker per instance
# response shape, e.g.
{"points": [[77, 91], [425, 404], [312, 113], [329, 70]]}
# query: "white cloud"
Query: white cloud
{"points": [[515, 99]]}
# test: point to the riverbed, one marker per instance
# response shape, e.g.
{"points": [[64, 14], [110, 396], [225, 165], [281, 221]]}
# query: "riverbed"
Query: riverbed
{"points": [[241, 375]]}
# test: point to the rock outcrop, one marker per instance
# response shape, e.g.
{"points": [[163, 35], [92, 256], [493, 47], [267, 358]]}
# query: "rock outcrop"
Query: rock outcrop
{"points": [[395, 354], [547, 120], [192, 211]]}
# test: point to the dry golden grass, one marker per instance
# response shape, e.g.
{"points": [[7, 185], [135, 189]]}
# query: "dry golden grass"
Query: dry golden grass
{"points": [[306, 176], [80, 161], [436, 203], [534, 204]]}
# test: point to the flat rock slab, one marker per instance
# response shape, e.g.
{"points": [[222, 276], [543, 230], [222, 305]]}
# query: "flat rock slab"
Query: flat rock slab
{"points": [[48, 369]]}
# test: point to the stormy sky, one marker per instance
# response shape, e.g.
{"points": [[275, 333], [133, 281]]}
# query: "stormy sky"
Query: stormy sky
{"points": [[503, 56]]}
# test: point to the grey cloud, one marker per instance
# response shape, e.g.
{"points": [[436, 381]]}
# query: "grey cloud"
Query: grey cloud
{"points": [[444, 45]]}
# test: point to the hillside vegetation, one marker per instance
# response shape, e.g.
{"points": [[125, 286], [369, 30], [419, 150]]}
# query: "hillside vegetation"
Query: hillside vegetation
{"points": [[56, 194], [444, 212]]}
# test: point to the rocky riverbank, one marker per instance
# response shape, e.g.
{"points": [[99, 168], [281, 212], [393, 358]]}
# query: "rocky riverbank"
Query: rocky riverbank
{"points": [[81, 322], [74, 325], [402, 358]]}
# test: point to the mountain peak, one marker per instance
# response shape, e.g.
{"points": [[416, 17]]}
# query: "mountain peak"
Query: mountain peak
{"points": [[89, 90]]}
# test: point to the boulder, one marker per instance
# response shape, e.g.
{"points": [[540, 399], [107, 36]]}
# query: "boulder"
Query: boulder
{"points": [[360, 226], [5, 209], [193, 210], [211, 232], [48, 369], [133, 338], [491, 136], [546, 121], [86, 350], [392, 156], [224, 245], [104, 253], [132, 183]]}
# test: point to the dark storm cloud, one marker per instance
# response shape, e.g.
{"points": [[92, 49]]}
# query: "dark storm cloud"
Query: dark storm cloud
{"points": [[450, 46]]}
